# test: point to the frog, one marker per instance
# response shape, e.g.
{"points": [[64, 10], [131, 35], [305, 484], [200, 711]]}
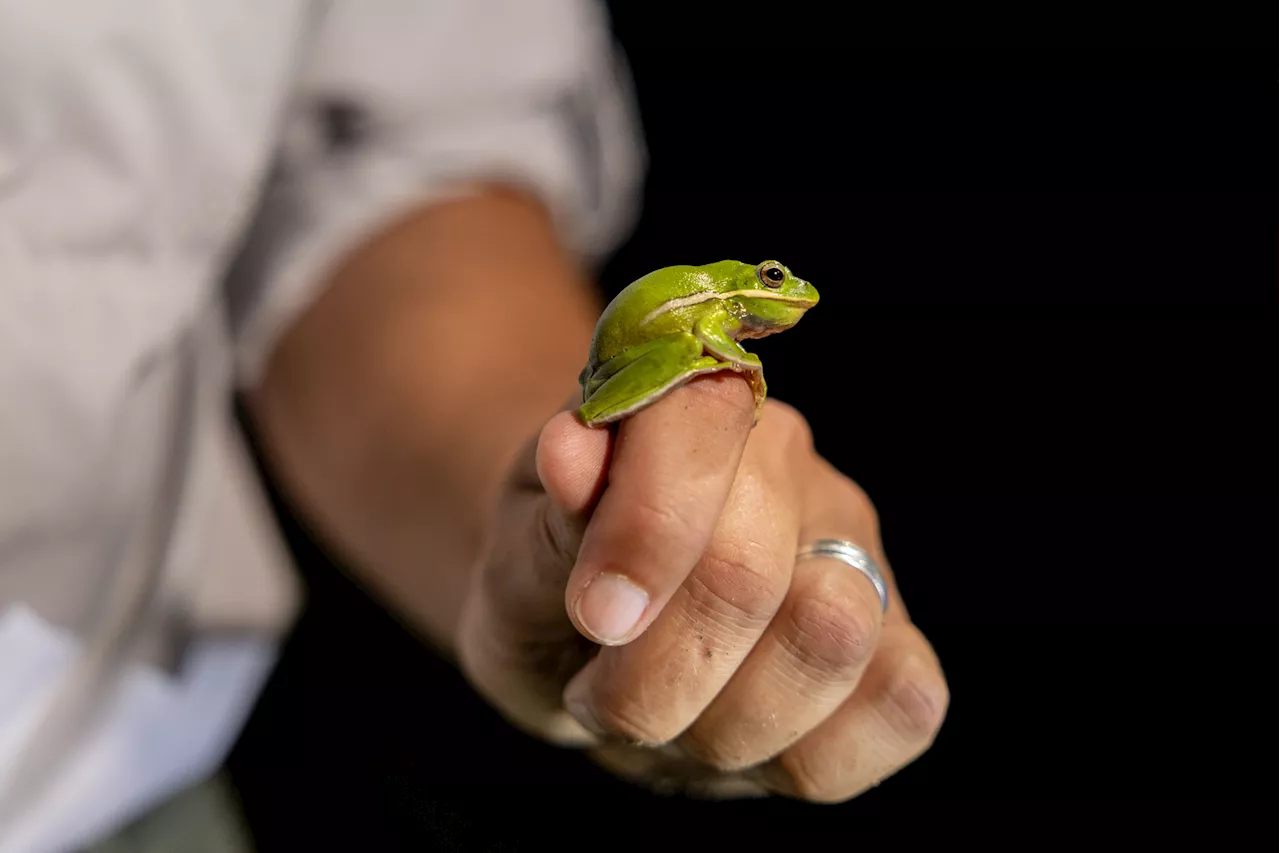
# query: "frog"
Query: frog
{"points": [[680, 322]]}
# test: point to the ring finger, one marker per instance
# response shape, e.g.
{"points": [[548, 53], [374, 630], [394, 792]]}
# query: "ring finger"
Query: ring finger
{"points": [[812, 656], [888, 723]]}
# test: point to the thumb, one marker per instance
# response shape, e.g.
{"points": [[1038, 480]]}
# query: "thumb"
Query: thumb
{"points": [[516, 643]]}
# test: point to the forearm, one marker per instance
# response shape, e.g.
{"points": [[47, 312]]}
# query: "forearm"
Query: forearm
{"points": [[392, 408]]}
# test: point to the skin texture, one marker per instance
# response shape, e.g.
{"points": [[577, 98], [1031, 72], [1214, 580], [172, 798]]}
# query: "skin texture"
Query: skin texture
{"points": [[463, 489], [681, 322], [748, 673]]}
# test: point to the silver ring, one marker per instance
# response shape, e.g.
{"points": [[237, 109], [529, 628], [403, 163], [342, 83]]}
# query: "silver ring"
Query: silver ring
{"points": [[850, 554]]}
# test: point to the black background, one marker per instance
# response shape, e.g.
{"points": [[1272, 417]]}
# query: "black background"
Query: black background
{"points": [[1044, 347]]}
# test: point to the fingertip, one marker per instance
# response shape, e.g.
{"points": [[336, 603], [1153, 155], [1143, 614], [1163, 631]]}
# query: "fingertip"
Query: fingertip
{"points": [[721, 400], [572, 459]]}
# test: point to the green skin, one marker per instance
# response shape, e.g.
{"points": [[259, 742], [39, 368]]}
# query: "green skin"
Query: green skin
{"points": [[681, 322]]}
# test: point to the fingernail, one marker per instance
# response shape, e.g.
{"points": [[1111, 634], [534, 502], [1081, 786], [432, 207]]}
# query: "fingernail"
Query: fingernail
{"points": [[611, 607]]}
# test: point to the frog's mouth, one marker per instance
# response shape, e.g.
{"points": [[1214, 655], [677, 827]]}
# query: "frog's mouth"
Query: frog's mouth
{"points": [[754, 328], [754, 334]]}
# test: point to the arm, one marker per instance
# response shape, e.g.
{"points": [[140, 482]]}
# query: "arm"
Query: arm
{"points": [[393, 406], [404, 315]]}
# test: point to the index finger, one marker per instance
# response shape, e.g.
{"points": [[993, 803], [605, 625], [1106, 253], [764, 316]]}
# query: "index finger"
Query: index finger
{"points": [[673, 466]]}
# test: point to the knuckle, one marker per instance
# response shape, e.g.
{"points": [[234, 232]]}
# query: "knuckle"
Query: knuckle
{"points": [[832, 635], [554, 552], [654, 520], [707, 751], [743, 581], [724, 762], [808, 778], [793, 428], [862, 505], [619, 714], [724, 751], [855, 498], [920, 698]]}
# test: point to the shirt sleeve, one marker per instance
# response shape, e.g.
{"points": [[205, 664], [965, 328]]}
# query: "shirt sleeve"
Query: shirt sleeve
{"points": [[402, 102]]}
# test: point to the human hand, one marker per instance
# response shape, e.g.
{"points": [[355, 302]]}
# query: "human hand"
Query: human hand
{"points": [[639, 595]]}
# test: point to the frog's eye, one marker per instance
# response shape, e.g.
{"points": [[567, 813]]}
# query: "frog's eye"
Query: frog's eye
{"points": [[771, 275]]}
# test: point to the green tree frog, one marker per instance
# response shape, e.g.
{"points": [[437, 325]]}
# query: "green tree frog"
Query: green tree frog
{"points": [[680, 322]]}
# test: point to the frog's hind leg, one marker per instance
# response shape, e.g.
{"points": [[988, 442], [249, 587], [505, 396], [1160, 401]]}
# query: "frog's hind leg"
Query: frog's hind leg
{"points": [[611, 367], [611, 408], [646, 378]]}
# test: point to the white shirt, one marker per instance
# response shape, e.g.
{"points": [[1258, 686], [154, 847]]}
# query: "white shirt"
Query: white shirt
{"points": [[174, 179]]}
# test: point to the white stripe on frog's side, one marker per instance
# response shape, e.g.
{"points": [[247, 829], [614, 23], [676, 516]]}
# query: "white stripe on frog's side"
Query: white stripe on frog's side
{"points": [[686, 301]]}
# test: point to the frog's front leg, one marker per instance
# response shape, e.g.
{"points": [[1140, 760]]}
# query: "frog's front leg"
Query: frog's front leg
{"points": [[640, 377], [715, 330]]}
